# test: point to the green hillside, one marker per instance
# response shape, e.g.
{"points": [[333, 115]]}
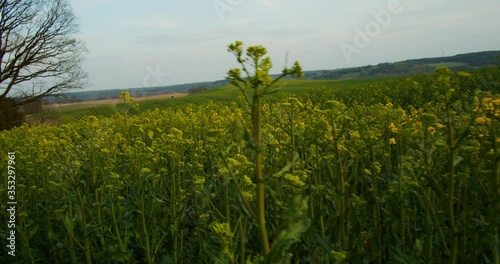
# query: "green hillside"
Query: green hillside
{"points": [[460, 62], [224, 93], [468, 61]]}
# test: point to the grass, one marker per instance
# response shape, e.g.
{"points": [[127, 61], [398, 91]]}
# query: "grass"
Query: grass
{"points": [[225, 93]]}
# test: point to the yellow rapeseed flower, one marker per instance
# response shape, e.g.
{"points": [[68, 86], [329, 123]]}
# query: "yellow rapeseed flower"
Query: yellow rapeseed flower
{"points": [[199, 180], [482, 119], [247, 196], [393, 128], [125, 96], [354, 134], [247, 180], [392, 141], [464, 74], [204, 217], [487, 100], [223, 230], [294, 180]]}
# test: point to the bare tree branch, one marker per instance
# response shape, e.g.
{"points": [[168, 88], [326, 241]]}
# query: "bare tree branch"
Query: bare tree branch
{"points": [[38, 50]]}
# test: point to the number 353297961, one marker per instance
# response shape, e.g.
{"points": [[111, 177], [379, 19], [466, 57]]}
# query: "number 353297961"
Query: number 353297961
{"points": [[11, 175]]}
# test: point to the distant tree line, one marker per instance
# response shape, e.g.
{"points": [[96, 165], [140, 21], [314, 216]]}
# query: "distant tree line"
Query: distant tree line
{"points": [[462, 62]]}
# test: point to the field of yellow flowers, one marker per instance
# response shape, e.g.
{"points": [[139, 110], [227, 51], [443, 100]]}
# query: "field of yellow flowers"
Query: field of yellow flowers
{"points": [[401, 172]]}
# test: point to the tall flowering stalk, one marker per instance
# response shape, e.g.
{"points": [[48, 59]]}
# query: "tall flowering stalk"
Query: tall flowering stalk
{"points": [[256, 67], [125, 107]]}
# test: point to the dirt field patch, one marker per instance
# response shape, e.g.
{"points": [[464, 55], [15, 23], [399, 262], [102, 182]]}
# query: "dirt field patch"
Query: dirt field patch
{"points": [[114, 101]]}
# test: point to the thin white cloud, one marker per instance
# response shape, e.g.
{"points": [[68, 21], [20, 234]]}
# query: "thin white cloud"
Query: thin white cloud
{"points": [[150, 22]]}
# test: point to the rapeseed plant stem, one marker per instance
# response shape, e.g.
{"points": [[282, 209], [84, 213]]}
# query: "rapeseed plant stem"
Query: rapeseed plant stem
{"points": [[85, 229], [451, 191], [261, 83], [116, 228]]}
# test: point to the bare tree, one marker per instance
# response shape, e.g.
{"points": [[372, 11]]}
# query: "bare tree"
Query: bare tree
{"points": [[39, 53]]}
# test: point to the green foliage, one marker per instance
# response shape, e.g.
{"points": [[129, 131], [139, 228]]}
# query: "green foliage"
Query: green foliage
{"points": [[10, 114], [381, 177], [296, 222], [256, 68], [261, 84]]}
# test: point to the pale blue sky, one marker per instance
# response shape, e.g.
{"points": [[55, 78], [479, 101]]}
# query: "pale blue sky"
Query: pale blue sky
{"points": [[164, 42]]}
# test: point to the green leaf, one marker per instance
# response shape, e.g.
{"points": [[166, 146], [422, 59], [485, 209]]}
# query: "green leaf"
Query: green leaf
{"points": [[298, 223], [457, 160], [285, 169]]}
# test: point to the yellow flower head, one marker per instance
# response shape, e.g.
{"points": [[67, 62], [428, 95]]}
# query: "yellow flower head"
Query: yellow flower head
{"points": [[247, 180], [393, 128], [392, 141], [125, 96], [487, 100], [294, 180], [481, 120]]}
